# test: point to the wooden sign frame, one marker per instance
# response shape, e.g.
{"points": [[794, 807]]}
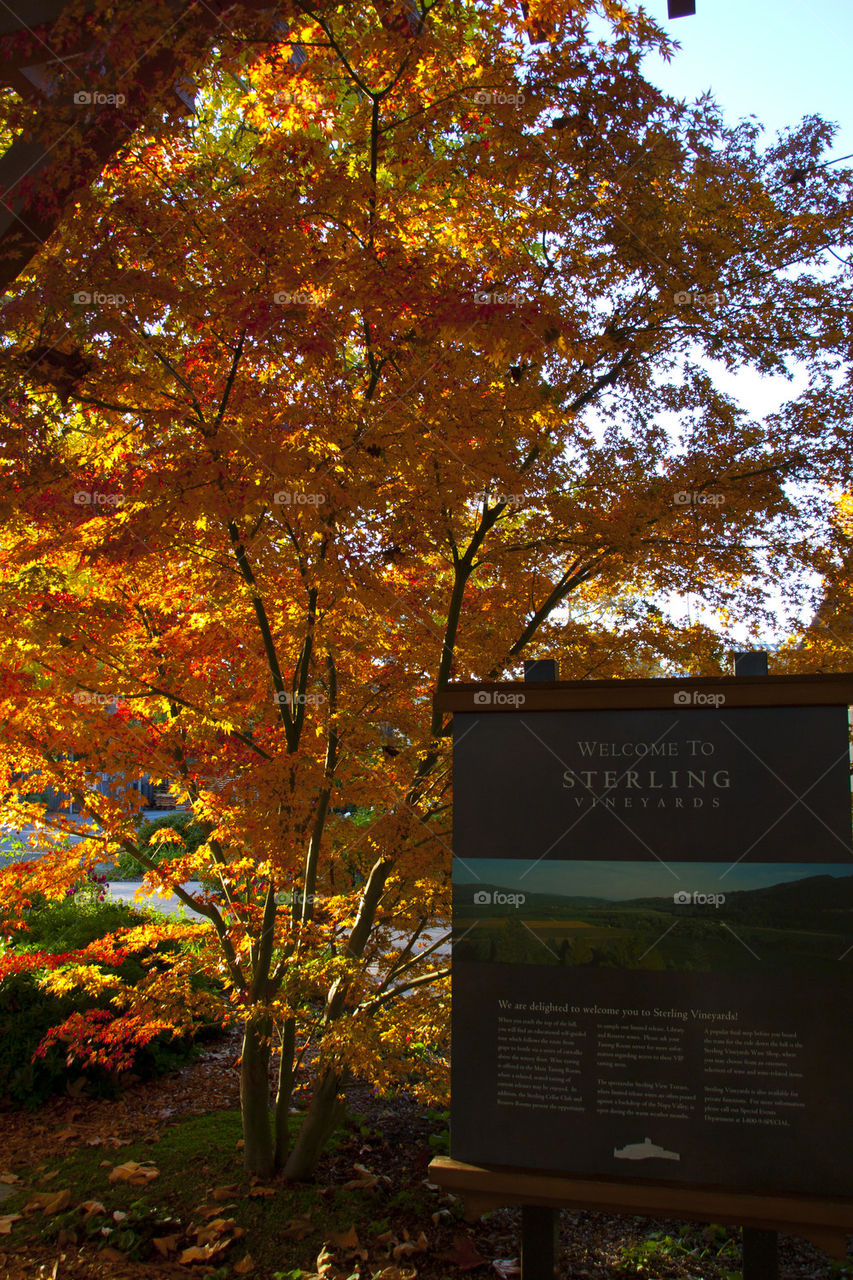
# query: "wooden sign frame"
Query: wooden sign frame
{"points": [[826, 1222]]}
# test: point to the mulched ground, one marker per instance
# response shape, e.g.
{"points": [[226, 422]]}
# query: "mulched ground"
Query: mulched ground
{"points": [[592, 1244]]}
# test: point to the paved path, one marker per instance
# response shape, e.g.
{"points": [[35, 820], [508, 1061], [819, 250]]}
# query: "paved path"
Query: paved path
{"points": [[14, 846], [125, 891]]}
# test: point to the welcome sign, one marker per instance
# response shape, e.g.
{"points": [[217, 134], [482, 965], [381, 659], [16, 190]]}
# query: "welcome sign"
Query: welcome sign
{"points": [[690, 784], [653, 943]]}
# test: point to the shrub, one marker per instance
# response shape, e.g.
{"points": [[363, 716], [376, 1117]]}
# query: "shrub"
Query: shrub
{"points": [[72, 923], [27, 1012], [127, 868]]}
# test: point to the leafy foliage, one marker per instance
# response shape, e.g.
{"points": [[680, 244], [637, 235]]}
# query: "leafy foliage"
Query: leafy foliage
{"points": [[192, 833], [71, 924], [60, 980]]}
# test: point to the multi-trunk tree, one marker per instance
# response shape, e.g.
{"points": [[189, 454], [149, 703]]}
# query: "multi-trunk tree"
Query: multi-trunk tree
{"points": [[394, 367]]}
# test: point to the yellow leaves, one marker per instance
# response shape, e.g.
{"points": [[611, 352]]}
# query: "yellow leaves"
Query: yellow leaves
{"points": [[88, 977], [168, 835], [215, 1228], [225, 1192], [211, 1241]]}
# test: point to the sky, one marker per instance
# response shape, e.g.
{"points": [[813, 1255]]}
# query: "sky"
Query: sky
{"points": [[619, 881], [777, 60]]}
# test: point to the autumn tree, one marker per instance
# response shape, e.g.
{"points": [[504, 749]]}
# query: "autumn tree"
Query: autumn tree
{"points": [[393, 367]]}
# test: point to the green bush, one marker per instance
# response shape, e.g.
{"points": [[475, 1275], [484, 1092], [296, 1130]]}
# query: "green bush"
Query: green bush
{"points": [[72, 923], [127, 868], [27, 1012]]}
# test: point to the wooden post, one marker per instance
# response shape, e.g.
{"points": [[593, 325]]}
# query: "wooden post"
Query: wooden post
{"points": [[760, 1248], [536, 669], [760, 1254], [539, 1229], [539, 1224]]}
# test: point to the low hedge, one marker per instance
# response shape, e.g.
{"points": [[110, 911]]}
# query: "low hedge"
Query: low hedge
{"points": [[27, 1012]]}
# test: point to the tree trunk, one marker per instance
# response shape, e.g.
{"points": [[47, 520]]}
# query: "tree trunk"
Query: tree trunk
{"points": [[255, 1098], [323, 1114], [285, 1093]]}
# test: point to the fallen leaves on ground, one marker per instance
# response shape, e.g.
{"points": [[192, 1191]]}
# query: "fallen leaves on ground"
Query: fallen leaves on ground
{"points": [[407, 1247], [464, 1255], [298, 1228], [365, 1180], [138, 1175], [225, 1193], [210, 1240], [345, 1239], [111, 1254], [90, 1208], [6, 1222], [213, 1210], [48, 1201]]}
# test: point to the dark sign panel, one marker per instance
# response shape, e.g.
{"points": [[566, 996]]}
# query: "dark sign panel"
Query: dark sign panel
{"points": [[653, 945], [769, 783]]}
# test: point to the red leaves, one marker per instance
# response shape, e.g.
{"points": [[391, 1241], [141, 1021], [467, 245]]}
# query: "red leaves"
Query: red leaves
{"points": [[32, 961], [98, 1038]]}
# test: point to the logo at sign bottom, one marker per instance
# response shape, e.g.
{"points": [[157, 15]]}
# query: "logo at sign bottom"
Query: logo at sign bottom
{"points": [[646, 1150]]}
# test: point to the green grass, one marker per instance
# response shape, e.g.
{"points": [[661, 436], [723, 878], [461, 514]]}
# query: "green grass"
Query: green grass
{"points": [[195, 1157], [714, 1244]]}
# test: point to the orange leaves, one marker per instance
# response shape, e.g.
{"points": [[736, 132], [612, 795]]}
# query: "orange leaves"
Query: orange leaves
{"points": [[138, 1175], [48, 1201]]}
